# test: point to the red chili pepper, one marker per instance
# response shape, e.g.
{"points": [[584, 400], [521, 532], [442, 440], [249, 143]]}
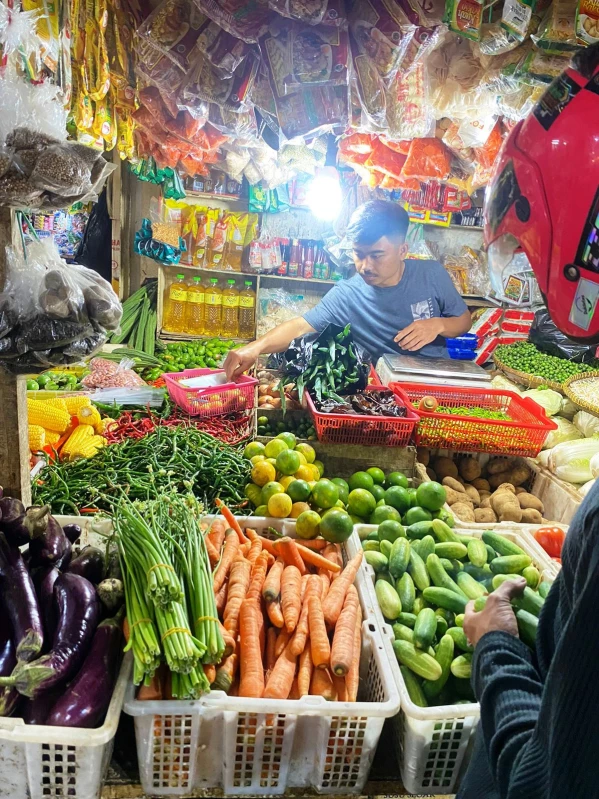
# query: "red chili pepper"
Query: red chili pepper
{"points": [[551, 539]]}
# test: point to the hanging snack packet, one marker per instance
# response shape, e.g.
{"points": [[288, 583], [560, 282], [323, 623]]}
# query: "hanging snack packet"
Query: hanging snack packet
{"points": [[205, 85], [464, 17], [587, 22], [539, 69], [316, 56], [427, 158], [312, 12], [244, 19], [557, 32], [224, 51]]}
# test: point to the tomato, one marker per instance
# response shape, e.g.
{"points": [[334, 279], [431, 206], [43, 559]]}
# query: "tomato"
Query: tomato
{"points": [[551, 539]]}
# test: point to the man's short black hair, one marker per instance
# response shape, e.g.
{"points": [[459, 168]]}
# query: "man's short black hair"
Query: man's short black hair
{"points": [[375, 219]]}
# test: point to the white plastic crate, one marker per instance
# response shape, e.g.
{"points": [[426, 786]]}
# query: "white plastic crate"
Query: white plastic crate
{"points": [[433, 743], [263, 746]]}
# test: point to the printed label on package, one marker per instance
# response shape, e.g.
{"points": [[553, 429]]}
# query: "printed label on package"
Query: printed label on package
{"points": [[555, 99]]}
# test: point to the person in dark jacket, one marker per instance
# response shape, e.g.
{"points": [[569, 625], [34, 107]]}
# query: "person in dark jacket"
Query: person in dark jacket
{"points": [[538, 736]]}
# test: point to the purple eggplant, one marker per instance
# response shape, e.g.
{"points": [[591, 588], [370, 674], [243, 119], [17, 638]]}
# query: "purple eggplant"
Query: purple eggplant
{"points": [[9, 697], [50, 546], [44, 581], [86, 700], [21, 525], [89, 564], [20, 602], [78, 616], [63, 562], [36, 711], [72, 532]]}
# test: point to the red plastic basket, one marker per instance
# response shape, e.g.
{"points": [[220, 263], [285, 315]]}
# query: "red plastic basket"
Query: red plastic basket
{"points": [[523, 435], [370, 431], [212, 401]]}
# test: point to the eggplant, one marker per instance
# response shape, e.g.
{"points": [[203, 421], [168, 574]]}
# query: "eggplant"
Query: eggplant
{"points": [[20, 602], [111, 593], [44, 585], [21, 525], [36, 711], [89, 564], [78, 616], [9, 697], [51, 546], [63, 562], [85, 702], [72, 532]]}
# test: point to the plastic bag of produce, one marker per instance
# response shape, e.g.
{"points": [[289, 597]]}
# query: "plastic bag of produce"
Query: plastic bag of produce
{"points": [[547, 338], [108, 374]]}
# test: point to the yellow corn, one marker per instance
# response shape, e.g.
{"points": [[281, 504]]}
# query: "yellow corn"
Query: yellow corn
{"points": [[48, 416], [75, 403], [51, 437], [89, 415], [105, 425], [89, 447], [81, 433], [37, 437], [56, 402]]}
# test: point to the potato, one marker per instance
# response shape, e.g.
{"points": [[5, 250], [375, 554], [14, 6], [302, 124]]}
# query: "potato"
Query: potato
{"points": [[498, 478], [263, 390], [498, 465], [519, 475], [481, 484], [484, 495], [423, 455], [469, 469], [532, 516], [473, 495], [506, 487], [431, 474], [267, 406], [484, 515], [276, 402], [461, 480], [506, 507], [530, 501], [445, 467], [453, 496], [520, 490], [450, 482], [486, 502], [265, 398], [464, 512]]}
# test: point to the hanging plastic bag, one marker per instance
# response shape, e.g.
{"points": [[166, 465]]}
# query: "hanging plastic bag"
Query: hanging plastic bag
{"points": [[427, 158], [547, 338], [108, 374], [557, 32], [312, 12]]}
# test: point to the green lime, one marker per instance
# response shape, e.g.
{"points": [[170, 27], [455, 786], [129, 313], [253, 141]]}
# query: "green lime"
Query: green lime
{"points": [[357, 519], [431, 496], [325, 494], [416, 514], [361, 502], [261, 510], [269, 490], [397, 497], [336, 526], [378, 475], [307, 451], [343, 488], [253, 493], [320, 466], [307, 524], [289, 439], [299, 491], [253, 448], [32, 385], [378, 492], [384, 512], [390, 530], [360, 480], [275, 447], [288, 461], [396, 479]]}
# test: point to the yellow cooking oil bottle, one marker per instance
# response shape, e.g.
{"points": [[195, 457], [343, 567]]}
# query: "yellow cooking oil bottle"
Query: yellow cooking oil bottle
{"points": [[174, 316], [213, 299], [195, 308], [230, 324], [247, 312]]}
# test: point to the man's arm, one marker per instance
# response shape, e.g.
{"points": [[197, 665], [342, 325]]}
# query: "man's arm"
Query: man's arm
{"points": [[276, 340], [423, 331]]}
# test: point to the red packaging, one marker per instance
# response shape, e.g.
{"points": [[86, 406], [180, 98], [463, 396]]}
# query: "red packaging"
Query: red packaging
{"points": [[486, 322], [515, 327]]}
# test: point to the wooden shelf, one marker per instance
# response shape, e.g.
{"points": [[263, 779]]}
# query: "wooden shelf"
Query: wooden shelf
{"points": [[230, 198], [248, 275], [480, 302], [301, 279]]}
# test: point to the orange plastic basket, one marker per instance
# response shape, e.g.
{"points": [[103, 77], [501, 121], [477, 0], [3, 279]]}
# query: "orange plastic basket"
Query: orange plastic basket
{"points": [[213, 401], [524, 434]]}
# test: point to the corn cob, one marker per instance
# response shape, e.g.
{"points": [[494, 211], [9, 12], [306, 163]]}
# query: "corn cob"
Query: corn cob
{"points": [[74, 404], [48, 416], [89, 447], [105, 425], [76, 439], [56, 402], [89, 414], [37, 437], [51, 437]]}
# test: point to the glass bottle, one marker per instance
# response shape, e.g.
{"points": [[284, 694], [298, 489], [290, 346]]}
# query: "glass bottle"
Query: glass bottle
{"points": [[247, 312], [230, 322], [174, 317], [213, 298], [195, 308]]}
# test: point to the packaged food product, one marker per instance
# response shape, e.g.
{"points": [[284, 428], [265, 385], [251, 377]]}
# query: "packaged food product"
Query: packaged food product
{"points": [[539, 69], [557, 32], [317, 56], [313, 12], [427, 158], [464, 17], [244, 19], [587, 22], [108, 374]]}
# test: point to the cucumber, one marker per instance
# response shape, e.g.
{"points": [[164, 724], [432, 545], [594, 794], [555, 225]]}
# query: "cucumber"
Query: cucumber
{"points": [[425, 547], [501, 545], [413, 687], [439, 576], [470, 586], [532, 576], [419, 529], [425, 628], [444, 657], [448, 566], [377, 560], [461, 667], [419, 603], [403, 633], [370, 546], [386, 577], [444, 598], [388, 599], [372, 536], [450, 549], [510, 564], [459, 620], [465, 539], [399, 557], [421, 663], [442, 627], [480, 603], [418, 571], [501, 578], [459, 639], [544, 589], [443, 533], [487, 584], [527, 627], [457, 565], [407, 592], [447, 615], [477, 552], [385, 548], [407, 618], [530, 601], [491, 554], [477, 572]]}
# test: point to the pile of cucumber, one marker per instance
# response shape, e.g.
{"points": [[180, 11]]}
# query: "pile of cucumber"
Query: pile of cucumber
{"points": [[425, 576]]}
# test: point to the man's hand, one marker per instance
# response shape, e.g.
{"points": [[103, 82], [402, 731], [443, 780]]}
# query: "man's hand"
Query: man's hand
{"points": [[497, 613], [238, 361], [419, 333]]}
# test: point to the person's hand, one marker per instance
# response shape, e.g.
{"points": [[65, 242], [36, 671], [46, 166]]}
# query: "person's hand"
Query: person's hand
{"points": [[238, 361], [497, 614], [419, 333]]}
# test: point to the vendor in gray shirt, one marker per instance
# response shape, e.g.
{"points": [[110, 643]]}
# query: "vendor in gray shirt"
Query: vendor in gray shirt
{"points": [[393, 304]]}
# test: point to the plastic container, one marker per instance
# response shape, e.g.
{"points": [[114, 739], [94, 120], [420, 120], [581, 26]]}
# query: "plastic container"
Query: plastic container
{"points": [[212, 401], [174, 317], [230, 316], [195, 308], [432, 743], [213, 308], [523, 435], [264, 747], [382, 431], [462, 348]]}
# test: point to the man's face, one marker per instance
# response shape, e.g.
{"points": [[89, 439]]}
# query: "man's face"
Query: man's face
{"points": [[380, 263]]}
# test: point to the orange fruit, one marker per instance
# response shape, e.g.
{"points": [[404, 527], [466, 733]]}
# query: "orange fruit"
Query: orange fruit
{"points": [[263, 473]]}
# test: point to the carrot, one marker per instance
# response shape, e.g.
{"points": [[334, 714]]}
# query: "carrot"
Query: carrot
{"points": [[230, 642], [210, 672], [314, 543], [251, 534], [257, 577], [352, 680], [300, 636], [275, 614], [336, 597], [213, 553], [333, 554], [282, 641], [268, 545], [303, 586], [304, 673], [221, 598], [342, 650], [153, 691], [230, 550], [225, 674], [322, 685], [287, 549], [271, 589], [255, 550], [325, 579], [217, 533], [290, 596], [294, 693], [271, 642], [281, 679], [250, 653], [231, 520], [319, 639], [314, 559], [239, 580]]}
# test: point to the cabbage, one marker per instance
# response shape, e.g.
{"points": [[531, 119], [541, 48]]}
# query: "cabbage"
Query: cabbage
{"points": [[566, 431], [587, 423], [543, 458], [594, 464], [568, 409], [571, 460], [547, 398], [501, 382], [584, 490]]}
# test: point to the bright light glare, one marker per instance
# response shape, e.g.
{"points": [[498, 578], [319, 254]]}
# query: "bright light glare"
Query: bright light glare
{"points": [[324, 197]]}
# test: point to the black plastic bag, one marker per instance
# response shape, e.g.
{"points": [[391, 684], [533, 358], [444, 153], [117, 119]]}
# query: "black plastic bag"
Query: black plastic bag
{"points": [[95, 249], [547, 338]]}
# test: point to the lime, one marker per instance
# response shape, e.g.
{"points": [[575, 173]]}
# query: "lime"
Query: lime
{"points": [[256, 459], [261, 510], [378, 492], [288, 462], [274, 447], [308, 452], [431, 496], [269, 490], [308, 524], [361, 502], [378, 475], [316, 473], [363, 532], [413, 497], [289, 439], [286, 481], [280, 506], [384, 512], [343, 488], [360, 480], [263, 473], [339, 504], [396, 479], [416, 514], [380, 502], [397, 497], [299, 491], [320, 466], [253, 448], [253, 493], [390, 530], [336, 526], [302, 458], [272, 461], [298, 508], [325, 494], [305, 473]]}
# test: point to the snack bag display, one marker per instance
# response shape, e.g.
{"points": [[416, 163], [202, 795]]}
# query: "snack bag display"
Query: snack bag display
{"points": [[464, 17], [587, 22], [557, 32], [312, 12], [427, 158], [244, 19]]}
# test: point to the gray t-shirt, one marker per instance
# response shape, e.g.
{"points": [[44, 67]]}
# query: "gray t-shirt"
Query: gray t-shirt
{"points": [[377, 314]]}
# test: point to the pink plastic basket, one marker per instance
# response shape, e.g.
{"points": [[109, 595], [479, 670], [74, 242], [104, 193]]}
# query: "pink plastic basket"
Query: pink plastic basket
{"points": [[215, 401]]}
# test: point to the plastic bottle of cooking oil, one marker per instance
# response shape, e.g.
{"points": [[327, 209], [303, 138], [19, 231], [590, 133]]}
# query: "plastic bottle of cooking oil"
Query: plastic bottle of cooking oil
{"points": [[230, 325], [247, 311], [174, 318], [213, 298], [195, 308]]}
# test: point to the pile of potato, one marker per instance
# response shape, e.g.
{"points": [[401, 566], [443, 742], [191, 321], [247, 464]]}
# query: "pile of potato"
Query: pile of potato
{"points": [[492, 493], [269, 392]]}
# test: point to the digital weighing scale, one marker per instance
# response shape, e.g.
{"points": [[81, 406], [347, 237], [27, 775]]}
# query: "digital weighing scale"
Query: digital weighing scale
{"points": [[395, 367]]}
